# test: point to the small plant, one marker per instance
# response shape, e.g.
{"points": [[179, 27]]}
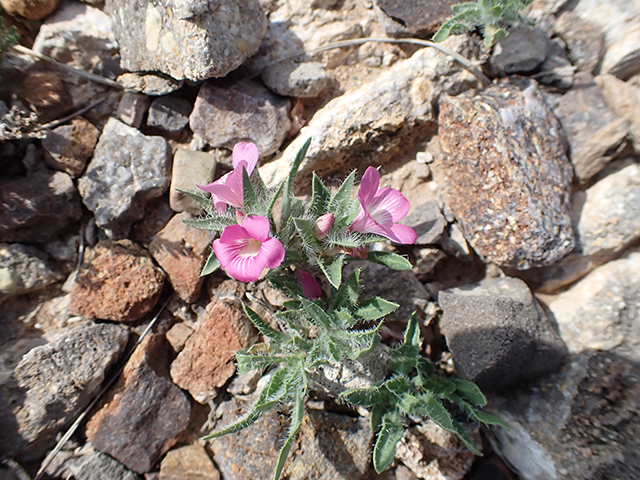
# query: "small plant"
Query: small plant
{"points": [[491, 16], [317, 327], [8, 38]]}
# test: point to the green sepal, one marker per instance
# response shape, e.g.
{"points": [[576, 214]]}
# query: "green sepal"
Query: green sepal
{"points": [[391, 260], [375, 308], [306, 230], [211, 265], [384, 451]]}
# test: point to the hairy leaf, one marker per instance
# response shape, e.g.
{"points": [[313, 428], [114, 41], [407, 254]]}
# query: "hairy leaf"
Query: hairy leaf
{"points": [[287, 196], [296, 420], [248, 362], [332, 269], [320, 197], [201, 200], [365, 397], [391, 260], [471, 391], [217, 223], [375, 308], [263, 327], [388, 437], [307, 233], [212, 264], [433, 409], [484, 417], [375, 418], [341, 203], [358, 343], [252, 204], [459, 430], [347, 294]]}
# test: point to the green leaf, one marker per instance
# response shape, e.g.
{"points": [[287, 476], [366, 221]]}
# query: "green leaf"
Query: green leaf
{"points": [[248, 362], [320, 197], [388, 437], [288, 187], [212, 264], [276, 390], [471, 391], [433, 409], [388, 259], [357, 343], [397, 384], [288, 284], [217, 223], [465, 437], [305, 228], [271, 205], [332, 269], [243, 422], [365, 397], [375, 308], [263, 327], [375, 416], [405, 357], [347, 294], [251, 201], [407, 402], [322, 320], [484, 417], [445, 30], [201, 200], [493, 35], [341, 203]]}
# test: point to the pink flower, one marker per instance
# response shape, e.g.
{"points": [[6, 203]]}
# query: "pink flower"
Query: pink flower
{"points": [[381, 209], [244, 251], [310, 286], [323, 225], [227, 190]]}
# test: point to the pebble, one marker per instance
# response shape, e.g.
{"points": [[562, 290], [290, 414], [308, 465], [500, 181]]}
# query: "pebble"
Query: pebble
{"points": [[190, 462], [132, 108], [169, 114], [417, 17], [69, 147], [30, 9], [86, 463], [522, 51], [189, 170], [149, 83]]}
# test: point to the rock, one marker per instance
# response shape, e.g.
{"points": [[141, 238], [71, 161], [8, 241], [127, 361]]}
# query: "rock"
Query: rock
{"points": [[46, 95], [170, 114], [149, 83], [598, 312], [415, 16], [178, 336], [624, 100], [426, 260], [132, 108], [508, 177], [86, 463], [157, 214], [618, 20], [30, 9], [188, 463], [378, 120], [53, 383], [28, 269], [127, 169], [144, 406], [181, 251], [35, 208], [296, 79], [243, 112], [584, 41], [521, 51], [592, 128], [498, 334], [431, 452], [117, 281], [69, 147], [187, 39], [556, 71], [454, 243], [206, 362], [428, 222], [189, 170]]}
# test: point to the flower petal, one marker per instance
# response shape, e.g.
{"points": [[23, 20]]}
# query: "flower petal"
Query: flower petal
{"points": [[368, 186], [392, 201], [257, 227], [271, 253], [402, 234], [245, 269], [309, 284], [247, 152]]}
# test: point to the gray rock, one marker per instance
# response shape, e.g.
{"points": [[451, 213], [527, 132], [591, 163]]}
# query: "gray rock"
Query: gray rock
{"points": [[454, 243], [149, 83], [377, 120], [127, 169], [508, 178], [35, 208], [584, 41], [189, 170], [592, 128], [170, 114], [556, 71], [187, 39], [132, 108], [618, 20], [28, 267], [498, 334], [243, 112], [417, 17], [428, 222], [624, 100], [426, 260], [86, 463], [296, 79], [53, 383], [522, 51]]}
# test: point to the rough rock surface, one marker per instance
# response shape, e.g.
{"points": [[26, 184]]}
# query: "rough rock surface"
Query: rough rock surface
{"points": [[624, 100], [189, 170], [132, 108], [32, 10], [243, 112], [127, 169], [296, 79], [585, 41], [34, 208], [53, 383], [428, 222], [188, 463], [377, 120], [522, 51], [187, 39], [418, 17], [69, 147], [28, 269], [118, 281], [145, 407], [206, 362], [592, 128], [508, 177], [86, 463], [170, 114], [498, 334], [181, 252], [149, 83]]}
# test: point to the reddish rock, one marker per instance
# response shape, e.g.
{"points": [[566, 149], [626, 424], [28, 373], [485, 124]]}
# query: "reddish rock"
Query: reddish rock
{"points": [[35, 208], [419, 17], [118, 281], [69, 147], [144, 412], [46, 95], [181, 251], [206, 362]]}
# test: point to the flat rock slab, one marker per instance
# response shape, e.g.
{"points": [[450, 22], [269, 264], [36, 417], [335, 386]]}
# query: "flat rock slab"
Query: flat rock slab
{"points": [[127, 169], [53, 383], [206, 362], [189, 40], [35, 208], [584, 40], [145, 407], [508, 177], [498, 334], [118, 282], [624, 100], [190, 169], [245, 111]]}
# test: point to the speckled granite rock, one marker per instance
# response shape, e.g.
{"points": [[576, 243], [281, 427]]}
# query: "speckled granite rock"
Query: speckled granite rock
{"points": [[28, 268], [508, 177]]}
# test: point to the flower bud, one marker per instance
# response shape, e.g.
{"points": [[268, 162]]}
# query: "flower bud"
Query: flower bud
{"points": [[323, 225]]}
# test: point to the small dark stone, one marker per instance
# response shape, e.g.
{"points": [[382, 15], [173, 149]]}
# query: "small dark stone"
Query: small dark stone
{"points": [[419, 17], [522, 51], [170, 114]]}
